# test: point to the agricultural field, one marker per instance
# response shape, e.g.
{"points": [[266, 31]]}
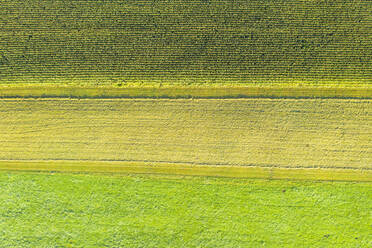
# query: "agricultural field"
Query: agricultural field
{"points": [[87, 210], [185, 172], [183, 123], [185, 42], [305, 133]]}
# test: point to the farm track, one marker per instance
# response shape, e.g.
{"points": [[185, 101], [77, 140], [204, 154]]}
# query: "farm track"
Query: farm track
{"points": [[266, 138], [182, 169]]}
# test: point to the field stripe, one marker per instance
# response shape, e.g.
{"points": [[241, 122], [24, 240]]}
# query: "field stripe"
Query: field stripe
{"points": [[242, 132], [185, 92], [189, 170]]}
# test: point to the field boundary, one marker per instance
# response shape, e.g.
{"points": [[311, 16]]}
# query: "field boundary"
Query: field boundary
{"points": [[116, 167], [211, 92]]}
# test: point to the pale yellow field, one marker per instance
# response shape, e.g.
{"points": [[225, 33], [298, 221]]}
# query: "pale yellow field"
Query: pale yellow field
{"points": [[326, 133]]}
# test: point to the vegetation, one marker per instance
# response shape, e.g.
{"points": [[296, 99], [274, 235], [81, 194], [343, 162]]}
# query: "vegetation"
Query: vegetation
{"points": [[45, 210], [189, 42], [262, 50], [205, 91], [325, 133]]}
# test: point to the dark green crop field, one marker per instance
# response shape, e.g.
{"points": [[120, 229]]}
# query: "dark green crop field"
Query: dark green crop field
{"points": [[65, 210], [119, 42]]}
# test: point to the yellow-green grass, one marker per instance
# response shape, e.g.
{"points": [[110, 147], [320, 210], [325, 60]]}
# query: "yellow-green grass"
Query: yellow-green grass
{"points": [[112, 167], [89, 210], [179, 82], [154, 90], [285, 133]]}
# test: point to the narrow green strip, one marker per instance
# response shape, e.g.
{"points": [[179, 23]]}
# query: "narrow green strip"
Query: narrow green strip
{"points": [[186, 92], [189, 170]]}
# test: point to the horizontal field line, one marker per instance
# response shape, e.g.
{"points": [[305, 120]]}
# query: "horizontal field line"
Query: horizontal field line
{"points": [[188, 163], [183, 169], [179, 97], [187, 93]]}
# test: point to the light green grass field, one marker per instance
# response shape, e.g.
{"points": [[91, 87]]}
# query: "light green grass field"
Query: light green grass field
{"points": [[66, 210]]}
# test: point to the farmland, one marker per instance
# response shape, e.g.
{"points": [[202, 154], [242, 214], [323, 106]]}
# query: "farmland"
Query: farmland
{"points": [[183, 123], [184, 42], [80, 210], [324, 133]]}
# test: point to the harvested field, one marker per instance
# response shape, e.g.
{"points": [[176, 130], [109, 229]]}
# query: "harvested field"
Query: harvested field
{"points": [[325, 133]]}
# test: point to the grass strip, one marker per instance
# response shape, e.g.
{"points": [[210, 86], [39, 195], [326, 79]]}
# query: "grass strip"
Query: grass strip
{"points": [[185, 92], [189, 170]]}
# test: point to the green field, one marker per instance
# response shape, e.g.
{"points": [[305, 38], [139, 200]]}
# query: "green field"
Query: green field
{"points": [[66, 210], [184, 42]]}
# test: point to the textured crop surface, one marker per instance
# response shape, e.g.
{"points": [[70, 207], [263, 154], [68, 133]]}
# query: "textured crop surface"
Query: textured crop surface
{"points": [[263, 132], [99, 41], [63, 210], [129, 116]]}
